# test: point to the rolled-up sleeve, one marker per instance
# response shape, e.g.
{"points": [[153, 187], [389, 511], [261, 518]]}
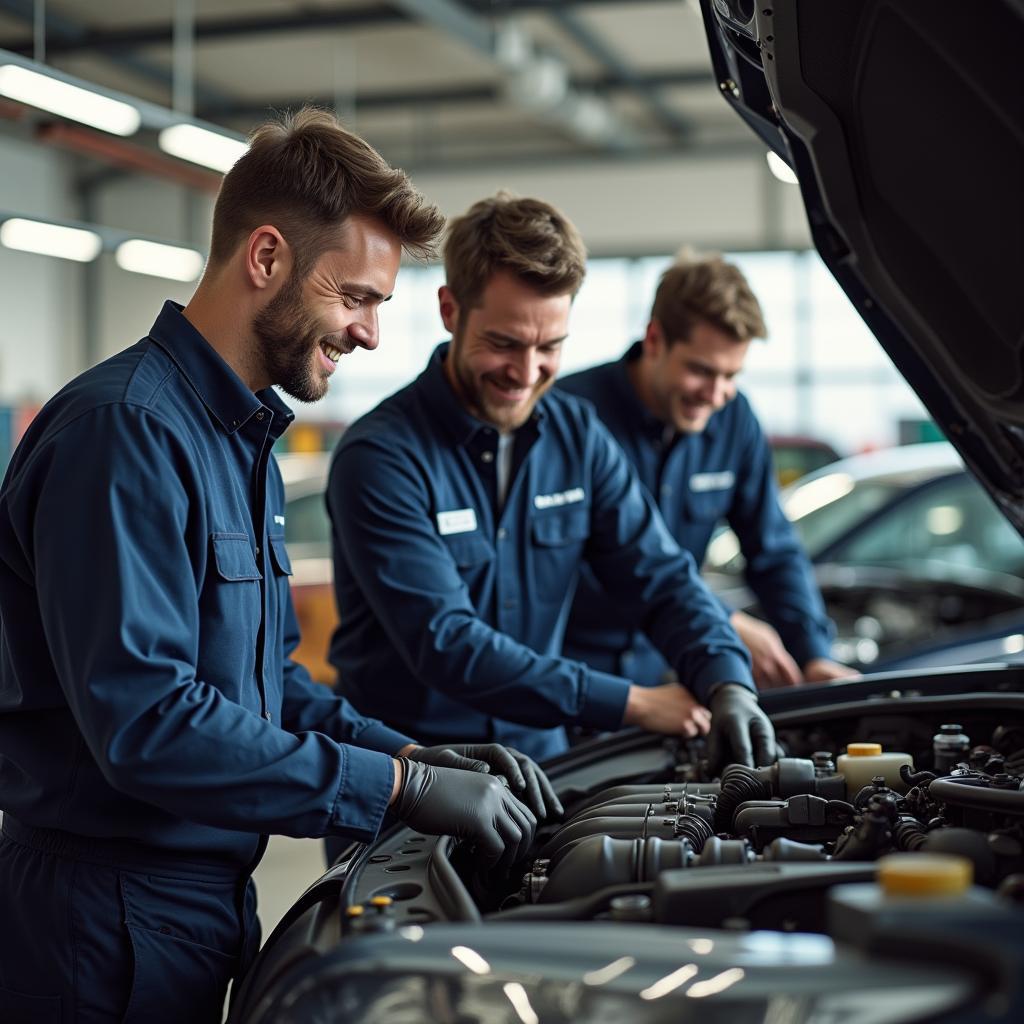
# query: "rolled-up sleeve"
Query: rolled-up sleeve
{"points": [[119, 573]]}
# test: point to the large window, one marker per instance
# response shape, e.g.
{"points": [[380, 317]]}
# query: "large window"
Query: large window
{"points": [[820, 373]]}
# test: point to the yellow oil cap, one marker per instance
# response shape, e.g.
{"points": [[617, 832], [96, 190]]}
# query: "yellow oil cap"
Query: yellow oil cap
{"points": [[381, 901], [924, 874], [863, 749], [354, 911]]}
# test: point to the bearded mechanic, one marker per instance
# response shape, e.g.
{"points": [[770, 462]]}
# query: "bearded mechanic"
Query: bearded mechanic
{"points": [[464, 505], [153, 727], [672, 404]]}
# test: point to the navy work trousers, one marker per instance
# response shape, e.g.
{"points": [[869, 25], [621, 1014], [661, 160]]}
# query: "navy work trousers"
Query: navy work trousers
{"points": [[93, 932]]}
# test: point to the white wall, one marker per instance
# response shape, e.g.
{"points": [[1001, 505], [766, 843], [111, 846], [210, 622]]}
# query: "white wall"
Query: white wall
{"points": [[637, 208], [40, 297], [129, 303]]}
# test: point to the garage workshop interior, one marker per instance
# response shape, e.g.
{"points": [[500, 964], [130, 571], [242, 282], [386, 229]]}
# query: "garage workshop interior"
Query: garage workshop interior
{"points": [[512, 512]]}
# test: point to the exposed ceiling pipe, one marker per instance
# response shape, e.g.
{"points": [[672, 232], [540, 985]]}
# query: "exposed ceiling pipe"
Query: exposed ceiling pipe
{"points": [[674, 123], [534, 81], [370, 15]]}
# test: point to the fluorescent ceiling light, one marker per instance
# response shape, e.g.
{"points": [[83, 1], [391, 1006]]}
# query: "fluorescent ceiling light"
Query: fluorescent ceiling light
{"points": [[50, 239], [71, 101], [159, 260], [201, 146], [781, 169]]}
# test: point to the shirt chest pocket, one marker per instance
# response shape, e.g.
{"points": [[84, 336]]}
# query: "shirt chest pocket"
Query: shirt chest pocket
{"points": [[708, 506], [557, 549], [231, 616]]}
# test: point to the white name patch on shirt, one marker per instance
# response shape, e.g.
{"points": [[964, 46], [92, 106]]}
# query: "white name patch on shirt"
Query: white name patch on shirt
{"points": [[569, 497], [279, 520], [458, 520], [712, 481]]}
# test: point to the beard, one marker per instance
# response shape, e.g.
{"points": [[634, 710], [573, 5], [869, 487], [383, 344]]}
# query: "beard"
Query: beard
{"points": [[289, 338], [474, 395]]}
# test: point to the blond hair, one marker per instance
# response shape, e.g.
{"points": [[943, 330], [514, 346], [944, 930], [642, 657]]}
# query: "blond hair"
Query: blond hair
{"points": [[705, 287], [526, 237]]}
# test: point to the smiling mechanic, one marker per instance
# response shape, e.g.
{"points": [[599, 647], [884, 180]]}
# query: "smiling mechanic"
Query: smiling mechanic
{"points": [[464, 505], [153, 727], [671, 402]]}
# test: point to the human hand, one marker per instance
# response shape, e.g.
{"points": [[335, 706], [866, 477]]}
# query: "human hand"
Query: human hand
{"points": [[469, 805], [524, 777], [824, 670], [741, 732], [670, 709], [771, 664]]}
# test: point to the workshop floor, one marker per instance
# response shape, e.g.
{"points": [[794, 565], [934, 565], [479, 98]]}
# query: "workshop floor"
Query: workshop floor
{"points": [[287, 869]]}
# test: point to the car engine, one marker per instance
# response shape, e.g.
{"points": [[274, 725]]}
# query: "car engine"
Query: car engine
{"points": [[664, 873], [789, 831]]}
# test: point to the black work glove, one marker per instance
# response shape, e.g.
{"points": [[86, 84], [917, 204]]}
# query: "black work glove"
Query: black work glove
{"points": [[525, 778], [468, 805], [741, 732]]}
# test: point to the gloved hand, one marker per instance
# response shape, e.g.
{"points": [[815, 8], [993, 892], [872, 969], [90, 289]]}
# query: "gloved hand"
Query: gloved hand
{"points": [[525, 778], [741, 732], [468, 805]]}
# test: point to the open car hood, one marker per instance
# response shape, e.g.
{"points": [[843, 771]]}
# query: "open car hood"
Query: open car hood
{"points": [[903, 121]]}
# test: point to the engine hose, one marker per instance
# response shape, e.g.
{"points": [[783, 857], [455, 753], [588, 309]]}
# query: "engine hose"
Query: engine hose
{"points": [[909, 835], [912, 778], [739, 784], [694, 828], [961, 794], [582, 908], [840, 810]]}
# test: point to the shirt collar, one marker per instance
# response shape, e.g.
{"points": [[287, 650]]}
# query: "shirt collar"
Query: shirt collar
{"points": [[445, 404], [626, 393], [220, 388]]}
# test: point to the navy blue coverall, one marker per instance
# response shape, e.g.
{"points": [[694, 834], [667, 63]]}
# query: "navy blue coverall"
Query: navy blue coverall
{"points": [[697, 480], [453, 610], [152, 724]]}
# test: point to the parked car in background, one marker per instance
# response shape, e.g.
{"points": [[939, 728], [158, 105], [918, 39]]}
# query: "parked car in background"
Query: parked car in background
{"points": [[911, 555], [795, 456], [307, 532]]}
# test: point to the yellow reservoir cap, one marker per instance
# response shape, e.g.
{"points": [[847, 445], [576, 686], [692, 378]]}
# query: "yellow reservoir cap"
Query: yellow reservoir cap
{"points": [[355, 911], [924, 874], [863, 749], [381, 901]]}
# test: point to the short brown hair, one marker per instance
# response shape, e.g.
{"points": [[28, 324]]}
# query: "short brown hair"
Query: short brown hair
{"points": [[526, 237], [305, 174], [705, 287]]}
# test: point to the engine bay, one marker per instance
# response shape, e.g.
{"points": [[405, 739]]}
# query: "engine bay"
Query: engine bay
{"points": [[662, 871], [787, 832]]}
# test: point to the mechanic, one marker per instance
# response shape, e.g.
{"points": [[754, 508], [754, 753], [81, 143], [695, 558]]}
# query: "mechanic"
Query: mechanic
{"points": [[464, 505], [671, 403], [153, 727]]}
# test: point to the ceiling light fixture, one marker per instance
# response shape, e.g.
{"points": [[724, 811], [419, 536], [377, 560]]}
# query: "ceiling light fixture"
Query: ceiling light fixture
{"points": [[157, 259], [781, 169], [47, 239], [201, 146], [66, 100]]}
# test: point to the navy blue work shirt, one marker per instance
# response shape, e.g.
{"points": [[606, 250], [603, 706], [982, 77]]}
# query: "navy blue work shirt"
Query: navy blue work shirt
{"points": [[147, 692], [453, 610], [724, 472]]}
